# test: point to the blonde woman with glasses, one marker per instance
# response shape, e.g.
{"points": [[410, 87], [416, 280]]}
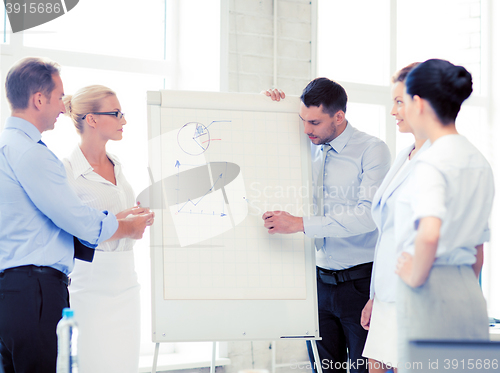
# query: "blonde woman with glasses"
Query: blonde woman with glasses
{"points": [[105, 292]]}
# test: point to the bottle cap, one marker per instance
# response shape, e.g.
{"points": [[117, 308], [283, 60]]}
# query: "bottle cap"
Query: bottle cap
{"points": [[67, 312]]}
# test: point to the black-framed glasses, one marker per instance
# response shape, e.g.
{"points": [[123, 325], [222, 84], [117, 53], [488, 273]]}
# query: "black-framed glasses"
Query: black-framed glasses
{"points": [[117, 114]]}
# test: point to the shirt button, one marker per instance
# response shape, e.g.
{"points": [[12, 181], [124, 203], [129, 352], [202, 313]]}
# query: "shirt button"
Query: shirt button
{"points": [[315, 235], [330, 257]]}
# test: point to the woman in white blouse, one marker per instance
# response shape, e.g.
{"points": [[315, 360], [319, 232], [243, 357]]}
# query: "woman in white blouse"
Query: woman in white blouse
{"points": [[105, 293], [379, 314], [441, 216]]}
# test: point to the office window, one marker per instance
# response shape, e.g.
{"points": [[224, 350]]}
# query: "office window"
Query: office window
{"points": [[353, 40], [357, 49], [126, 29], [472, 123], [368, 118], [199, 45], [4, 25], [447, 29], [360, 41]]}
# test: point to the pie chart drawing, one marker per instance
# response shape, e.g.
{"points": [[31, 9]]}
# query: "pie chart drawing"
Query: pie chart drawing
{"points": [[193, 138]]}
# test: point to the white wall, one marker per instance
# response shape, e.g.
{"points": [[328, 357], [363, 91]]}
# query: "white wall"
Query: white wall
{"points": [[251, 45]]}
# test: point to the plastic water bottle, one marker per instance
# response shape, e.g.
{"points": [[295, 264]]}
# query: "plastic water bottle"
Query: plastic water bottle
{"points": [[67, 343]]}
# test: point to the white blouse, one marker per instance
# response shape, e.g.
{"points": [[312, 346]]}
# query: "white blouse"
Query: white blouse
{"points": [[384, 278], [99, 193], [453, 182]]}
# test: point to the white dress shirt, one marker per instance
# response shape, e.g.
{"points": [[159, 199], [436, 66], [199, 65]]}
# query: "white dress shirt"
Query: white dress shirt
{"points": [[354, 169], [95, 191], [453, 182]]}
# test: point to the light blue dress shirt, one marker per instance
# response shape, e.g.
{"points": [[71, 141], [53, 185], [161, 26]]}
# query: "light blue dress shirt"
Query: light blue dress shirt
{"points": [[39, 212], [451, 181], [354, 169]]}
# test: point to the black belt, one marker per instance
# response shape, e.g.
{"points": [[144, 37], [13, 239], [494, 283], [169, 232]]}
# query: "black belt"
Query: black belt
{"points": [[332, 277], [29, 269]]}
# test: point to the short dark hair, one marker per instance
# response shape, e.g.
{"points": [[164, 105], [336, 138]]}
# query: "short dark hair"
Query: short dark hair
{"points": [[400, 75], [443, 84], [27, 77], [326, 92]]}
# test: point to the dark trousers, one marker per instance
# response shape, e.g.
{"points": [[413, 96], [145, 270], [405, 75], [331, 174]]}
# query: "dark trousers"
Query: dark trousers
{"points": [[343, 338], [31, 305]]}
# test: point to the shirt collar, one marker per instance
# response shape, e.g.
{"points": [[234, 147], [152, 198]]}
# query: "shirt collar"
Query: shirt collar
{"points": [[81, 166], [341, 140], [24, 126]]}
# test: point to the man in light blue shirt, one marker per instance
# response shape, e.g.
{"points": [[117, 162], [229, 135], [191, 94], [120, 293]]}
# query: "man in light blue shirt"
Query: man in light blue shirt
{"points": [[39, 217], [347, 168]]}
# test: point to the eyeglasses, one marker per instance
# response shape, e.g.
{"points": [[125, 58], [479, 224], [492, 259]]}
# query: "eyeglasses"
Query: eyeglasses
{"points": [[117, 114]]}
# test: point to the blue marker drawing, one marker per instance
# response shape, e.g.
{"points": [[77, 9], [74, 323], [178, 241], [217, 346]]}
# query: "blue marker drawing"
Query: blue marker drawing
{"points": [[196, 203], [194, 138], [178, 189]]}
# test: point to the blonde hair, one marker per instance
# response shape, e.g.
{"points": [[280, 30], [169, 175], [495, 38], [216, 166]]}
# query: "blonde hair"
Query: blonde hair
{"points": [[400, 75], [85, 100]]}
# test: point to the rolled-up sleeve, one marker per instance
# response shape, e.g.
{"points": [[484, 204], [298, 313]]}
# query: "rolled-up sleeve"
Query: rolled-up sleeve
{"points": [[429, 198]]}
